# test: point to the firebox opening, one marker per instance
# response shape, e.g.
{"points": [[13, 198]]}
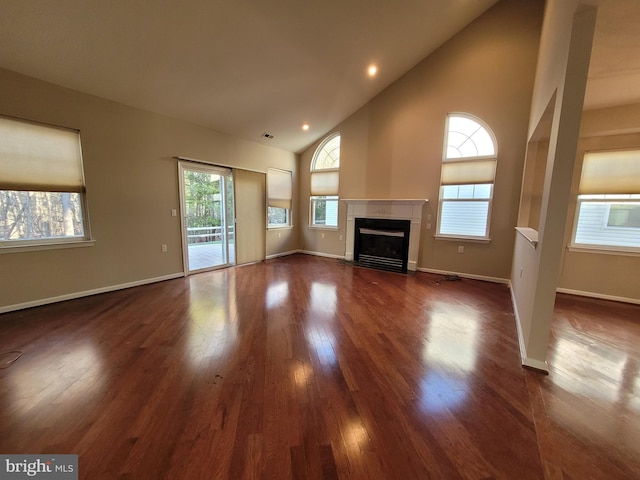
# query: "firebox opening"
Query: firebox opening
{"points": [[382, 243]]}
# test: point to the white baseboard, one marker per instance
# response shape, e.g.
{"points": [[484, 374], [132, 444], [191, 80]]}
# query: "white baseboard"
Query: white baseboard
{"points": [[525, 360], [320, 254], [503, 281], [86, 293], [283, 254], [600, 296]]}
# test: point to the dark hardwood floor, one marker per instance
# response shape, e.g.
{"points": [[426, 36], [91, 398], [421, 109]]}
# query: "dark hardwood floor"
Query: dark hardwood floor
{"points": [[303, 367]]}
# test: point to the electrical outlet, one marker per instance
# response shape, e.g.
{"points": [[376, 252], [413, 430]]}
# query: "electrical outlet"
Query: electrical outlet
{"points": [[322, 235], [174, 212], [428, 226], [279, 234], [163, 248], [460, 249], [340, 237]]}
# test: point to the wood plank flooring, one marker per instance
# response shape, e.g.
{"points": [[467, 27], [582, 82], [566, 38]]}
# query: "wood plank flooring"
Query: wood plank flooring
{"points": [[303, 367]]}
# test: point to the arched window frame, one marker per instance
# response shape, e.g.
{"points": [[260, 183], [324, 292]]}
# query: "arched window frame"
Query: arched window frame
{"points": [[466, 187], [323, 201]]}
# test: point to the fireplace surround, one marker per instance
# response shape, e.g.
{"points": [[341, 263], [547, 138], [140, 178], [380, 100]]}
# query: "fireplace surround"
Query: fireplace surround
{"points": [[386, 209]]}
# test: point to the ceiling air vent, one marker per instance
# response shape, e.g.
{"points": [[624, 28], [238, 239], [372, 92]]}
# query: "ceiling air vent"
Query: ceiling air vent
{"points": [[267, 135]]}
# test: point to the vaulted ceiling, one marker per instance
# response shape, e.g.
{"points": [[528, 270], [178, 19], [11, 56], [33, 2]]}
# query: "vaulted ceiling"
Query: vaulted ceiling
{"points": [[614, 73], [252, 67]]}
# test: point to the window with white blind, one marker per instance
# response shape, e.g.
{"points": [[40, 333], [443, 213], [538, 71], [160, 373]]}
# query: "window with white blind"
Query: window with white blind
{"points": [[279, 194], [325, 179], [42, 187], [608, 208], [466, 183]]}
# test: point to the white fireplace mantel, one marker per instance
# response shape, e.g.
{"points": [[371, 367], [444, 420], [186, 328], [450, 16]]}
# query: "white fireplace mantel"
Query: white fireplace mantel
{"points": [[399, 209]]}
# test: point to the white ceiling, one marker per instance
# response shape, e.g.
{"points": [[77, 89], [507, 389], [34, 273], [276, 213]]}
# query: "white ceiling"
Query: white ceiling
{"points": [[242, 67], [247, 67]]}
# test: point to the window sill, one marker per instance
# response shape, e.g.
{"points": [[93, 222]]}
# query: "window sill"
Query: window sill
{"points": [[279, 227], [595, 249], [322, 227], [32, 247], [463, 239], [530, 234]]}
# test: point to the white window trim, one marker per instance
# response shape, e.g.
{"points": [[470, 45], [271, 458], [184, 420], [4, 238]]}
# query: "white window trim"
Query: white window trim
{"points": [[36, 245], [313, 170], [461, 238], [477, 239], [280, 226], [604, 250], [276, 226], [322, 227], [53, 243], [326, 140], [58, 242], [600, 248], [479, 121]]}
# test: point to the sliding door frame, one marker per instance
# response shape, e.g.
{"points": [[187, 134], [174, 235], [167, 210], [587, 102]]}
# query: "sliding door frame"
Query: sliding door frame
{"points": [[225, 172]]}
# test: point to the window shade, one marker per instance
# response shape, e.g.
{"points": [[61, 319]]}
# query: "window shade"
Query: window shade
{"points": [[325, 183], [611, 172], [278, 188], [469, 172], [37, 157]]}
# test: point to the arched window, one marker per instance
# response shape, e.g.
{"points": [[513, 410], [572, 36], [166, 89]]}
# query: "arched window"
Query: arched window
{"points": [[325, 176], [468, 174]]}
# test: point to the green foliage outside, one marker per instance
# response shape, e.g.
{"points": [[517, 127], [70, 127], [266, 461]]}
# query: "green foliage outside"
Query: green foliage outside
{"points": [[203, 199]]}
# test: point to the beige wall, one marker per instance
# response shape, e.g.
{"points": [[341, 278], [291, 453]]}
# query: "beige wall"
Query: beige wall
{"points": [[392, 147], [608, 275], [132, 185]]}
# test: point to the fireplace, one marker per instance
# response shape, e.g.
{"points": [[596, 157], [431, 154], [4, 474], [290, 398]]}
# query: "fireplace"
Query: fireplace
{"points": [[382, 244], [385, 210]]}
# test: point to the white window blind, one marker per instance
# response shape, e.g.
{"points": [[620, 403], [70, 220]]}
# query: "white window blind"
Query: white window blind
{"points": [[332, 212], [325, 183], [36, 157], [470, 172], [611, 172], [464, 218], [279, 188]]}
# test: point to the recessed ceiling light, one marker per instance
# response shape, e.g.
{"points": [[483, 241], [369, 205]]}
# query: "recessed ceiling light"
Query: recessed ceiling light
{"points": [[305, 126], [372, 70]]}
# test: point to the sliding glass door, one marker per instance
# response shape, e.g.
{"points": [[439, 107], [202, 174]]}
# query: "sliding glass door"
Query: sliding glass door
{"points": [[207, 212]]}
